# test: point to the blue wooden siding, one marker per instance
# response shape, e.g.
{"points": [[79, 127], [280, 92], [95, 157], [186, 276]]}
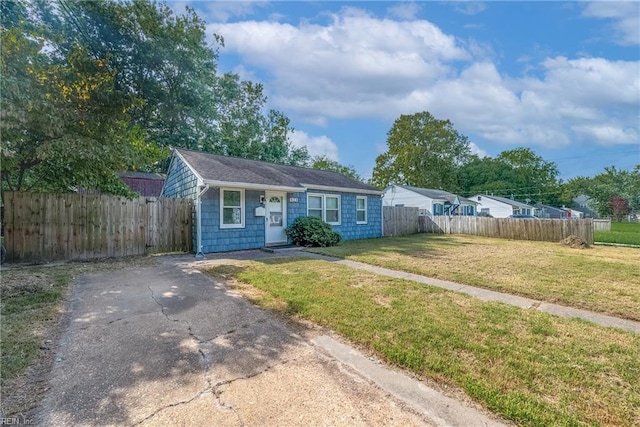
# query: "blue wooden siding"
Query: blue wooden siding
{"points": [[348, 227], [181, 182], [216, 239]]}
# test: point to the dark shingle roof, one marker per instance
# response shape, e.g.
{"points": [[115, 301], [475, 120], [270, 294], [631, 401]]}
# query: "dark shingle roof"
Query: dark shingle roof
{"points": [[213, 167], [435, 194]]}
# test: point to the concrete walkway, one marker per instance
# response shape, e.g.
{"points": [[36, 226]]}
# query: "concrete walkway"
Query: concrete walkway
{"points": [[169, 345], [488, 295]]}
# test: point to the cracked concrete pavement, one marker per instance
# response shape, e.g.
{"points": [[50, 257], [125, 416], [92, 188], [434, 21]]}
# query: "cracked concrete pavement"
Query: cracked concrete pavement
{"points": [[169, 345]]}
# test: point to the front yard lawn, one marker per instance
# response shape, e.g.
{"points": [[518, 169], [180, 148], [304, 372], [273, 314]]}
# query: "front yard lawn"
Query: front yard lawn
{"points": [[527, 366], [602, 279], [627, 233]]}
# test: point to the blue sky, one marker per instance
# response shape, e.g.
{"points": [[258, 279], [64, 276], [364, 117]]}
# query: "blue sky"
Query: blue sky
{"points": [[562, 78]]}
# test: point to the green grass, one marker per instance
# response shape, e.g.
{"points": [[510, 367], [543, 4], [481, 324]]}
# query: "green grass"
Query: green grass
{"points": [[527, 366], [602, 278], [621, 232]]}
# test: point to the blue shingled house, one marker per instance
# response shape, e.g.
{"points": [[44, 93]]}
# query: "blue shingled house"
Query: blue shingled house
{"points": [[247, 204]]}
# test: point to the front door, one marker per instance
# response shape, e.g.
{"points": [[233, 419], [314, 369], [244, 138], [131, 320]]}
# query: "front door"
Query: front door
{"points": [[276, 218]]}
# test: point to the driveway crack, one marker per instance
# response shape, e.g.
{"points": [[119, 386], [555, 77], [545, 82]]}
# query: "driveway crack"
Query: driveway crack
{"points": [[162, 309]]}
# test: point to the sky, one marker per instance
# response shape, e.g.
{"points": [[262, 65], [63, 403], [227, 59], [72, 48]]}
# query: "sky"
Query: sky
{"points": [[560, 78]]}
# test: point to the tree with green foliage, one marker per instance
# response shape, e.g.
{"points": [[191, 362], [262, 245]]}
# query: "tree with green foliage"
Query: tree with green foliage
{"points": [[325, 163], [519, 173], [64, 123], [603, 188], [422, 151], [96, 87]]}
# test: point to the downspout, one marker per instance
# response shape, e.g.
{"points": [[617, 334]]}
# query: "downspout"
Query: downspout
{"points": [[204, 188]]}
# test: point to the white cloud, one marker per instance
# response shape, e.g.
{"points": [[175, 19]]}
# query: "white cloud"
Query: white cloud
{"points": [[356, 56], [360, 66], [316, 145], [477, 150], [625, 17], [405, 10]]}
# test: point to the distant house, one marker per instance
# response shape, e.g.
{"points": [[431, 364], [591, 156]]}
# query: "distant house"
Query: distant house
{"points": [[429, 202], [585, 205], [501, 207], [546, 211], [143, 183], [573, 213], [247, 204]]}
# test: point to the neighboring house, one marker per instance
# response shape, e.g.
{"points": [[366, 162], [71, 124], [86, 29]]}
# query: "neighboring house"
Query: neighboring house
{"points": [[572, 213], [546, 211], [585, 205], [501, 207], [146, 184], [429, 202], [247, 204]]}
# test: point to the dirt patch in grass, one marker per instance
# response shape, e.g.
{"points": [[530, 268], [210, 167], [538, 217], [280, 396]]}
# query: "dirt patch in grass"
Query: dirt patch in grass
{"points": [[574, 242], [527, 366], [33, 302]]}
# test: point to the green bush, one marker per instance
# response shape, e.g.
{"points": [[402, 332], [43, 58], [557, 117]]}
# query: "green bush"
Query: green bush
{"points": [[311, 231]]}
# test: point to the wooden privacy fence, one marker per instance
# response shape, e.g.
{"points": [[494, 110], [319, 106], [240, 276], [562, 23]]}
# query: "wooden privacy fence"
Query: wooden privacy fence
{"points": [[547, 230], [602, 224], [47, 227], [398, 220]]}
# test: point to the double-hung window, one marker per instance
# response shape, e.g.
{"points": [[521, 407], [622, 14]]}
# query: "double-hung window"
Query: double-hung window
{"points": [[324, 206], [361, 210], [438, 209], [231, 208]]}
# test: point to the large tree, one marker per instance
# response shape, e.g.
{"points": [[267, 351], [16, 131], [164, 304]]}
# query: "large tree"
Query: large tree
{"points": [[607, 189], [422, 151], [327, 164], [64, 124], [94, 87], [519, 173]]}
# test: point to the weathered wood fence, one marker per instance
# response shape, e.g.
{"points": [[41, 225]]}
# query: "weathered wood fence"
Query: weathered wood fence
{"points": [[47, 227], [602, 224], [398, 221], [405, 220]]}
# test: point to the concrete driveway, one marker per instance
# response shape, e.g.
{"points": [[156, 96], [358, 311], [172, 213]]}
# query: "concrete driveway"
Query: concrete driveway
{"points": [[169, 345]]}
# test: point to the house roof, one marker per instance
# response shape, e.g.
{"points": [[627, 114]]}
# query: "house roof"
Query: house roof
{"points": [[436, 194], [507, 201], [142, 175], [220, 170]]}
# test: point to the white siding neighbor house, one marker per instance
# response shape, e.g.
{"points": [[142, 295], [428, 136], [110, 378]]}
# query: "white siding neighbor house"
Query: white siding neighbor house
{"points": [[501, 207], [429, 202]]}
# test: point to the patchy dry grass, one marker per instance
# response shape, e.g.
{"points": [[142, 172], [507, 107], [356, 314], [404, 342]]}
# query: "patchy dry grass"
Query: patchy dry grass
{"points": [[602, 279], [31, 305], [527, 366]]}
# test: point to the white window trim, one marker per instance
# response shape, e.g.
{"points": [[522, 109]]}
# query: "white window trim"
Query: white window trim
{"points": [[366, 210], [324, 206], [242, 210]]}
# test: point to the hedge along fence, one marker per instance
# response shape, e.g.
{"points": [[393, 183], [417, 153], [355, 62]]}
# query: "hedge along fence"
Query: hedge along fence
{"points": [[546, 230], [47, 227]]}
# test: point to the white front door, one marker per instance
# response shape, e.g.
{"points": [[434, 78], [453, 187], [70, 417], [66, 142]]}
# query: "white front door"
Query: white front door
{"points": [[276, 217]]}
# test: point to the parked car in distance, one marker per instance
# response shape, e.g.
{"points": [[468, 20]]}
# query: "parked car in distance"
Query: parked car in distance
{"points": [[523, 216]]}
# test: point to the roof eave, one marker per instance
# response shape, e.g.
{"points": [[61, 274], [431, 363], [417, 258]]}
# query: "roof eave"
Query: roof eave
{"points": [[252, 186], [342, 189]]}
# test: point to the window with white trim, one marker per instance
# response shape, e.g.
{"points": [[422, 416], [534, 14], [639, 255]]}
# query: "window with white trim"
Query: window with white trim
{"points": [[231, 208], [324, 206], [438, 209], [314, 206], [361, 210]]}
